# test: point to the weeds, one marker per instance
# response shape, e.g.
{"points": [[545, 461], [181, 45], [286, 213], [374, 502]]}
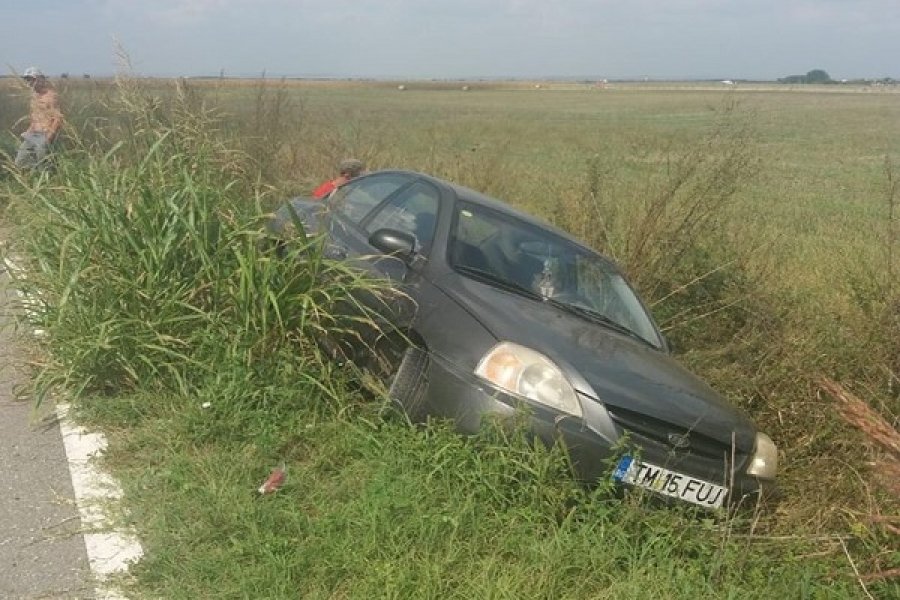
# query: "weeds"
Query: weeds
{"points": [[664, 232], [859, 414], [148, 265], [274, 133]]}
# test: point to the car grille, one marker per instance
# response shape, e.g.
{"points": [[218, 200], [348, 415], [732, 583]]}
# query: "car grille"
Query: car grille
{"points": [[659, 431]]}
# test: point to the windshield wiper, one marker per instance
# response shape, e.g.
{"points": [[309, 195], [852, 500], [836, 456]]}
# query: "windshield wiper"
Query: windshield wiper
{"points": [[493, 278], [600, 319]]}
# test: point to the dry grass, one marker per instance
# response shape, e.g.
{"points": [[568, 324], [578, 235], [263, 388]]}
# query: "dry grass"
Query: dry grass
{"points": [[877, 430]]}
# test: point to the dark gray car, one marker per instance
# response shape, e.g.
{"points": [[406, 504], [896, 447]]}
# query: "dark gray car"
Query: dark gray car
{"points": [[510, 312]]}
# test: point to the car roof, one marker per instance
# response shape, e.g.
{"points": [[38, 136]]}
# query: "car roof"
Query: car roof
{"points": [[469, 195]]}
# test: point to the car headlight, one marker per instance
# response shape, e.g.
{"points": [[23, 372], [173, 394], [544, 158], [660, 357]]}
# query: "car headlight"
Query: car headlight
{"points": [[765, 459], [524, 372]]}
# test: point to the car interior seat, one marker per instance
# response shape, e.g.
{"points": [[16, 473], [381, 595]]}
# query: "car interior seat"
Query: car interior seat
{"points": [[470, 256]]}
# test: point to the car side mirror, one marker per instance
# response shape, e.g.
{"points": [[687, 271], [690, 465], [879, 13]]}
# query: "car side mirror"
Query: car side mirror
{"points": [[394, 243]]}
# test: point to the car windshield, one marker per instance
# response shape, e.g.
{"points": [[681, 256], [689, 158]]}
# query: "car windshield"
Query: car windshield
{"points": [[502, 250]]}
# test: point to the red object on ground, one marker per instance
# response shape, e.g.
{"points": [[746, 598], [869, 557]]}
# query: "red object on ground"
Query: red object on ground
{"points": [[274, 482]]}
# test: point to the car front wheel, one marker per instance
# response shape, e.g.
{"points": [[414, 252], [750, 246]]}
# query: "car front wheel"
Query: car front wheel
{"points": [[409, 382]]}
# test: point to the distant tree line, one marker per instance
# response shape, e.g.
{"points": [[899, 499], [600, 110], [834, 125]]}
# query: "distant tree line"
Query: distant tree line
{"points": [[814, 76]]}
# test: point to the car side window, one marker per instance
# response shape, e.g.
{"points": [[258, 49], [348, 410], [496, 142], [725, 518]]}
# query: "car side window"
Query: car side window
{"points": [[413, 210], [356, 199]]}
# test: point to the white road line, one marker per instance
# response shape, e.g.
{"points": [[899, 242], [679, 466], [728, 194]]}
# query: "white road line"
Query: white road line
{"points": [[110, 550]]}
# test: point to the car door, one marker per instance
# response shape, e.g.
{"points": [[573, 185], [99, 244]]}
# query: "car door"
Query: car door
{"points": [[395, 201], [398, 201], [349, 206], [413, 209]]}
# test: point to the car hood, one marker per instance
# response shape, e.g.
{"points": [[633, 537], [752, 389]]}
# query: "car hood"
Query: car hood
{"points": [[636, 382]]}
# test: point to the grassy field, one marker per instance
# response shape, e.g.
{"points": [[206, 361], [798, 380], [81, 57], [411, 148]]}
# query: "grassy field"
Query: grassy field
{"points": [[760, 222]]}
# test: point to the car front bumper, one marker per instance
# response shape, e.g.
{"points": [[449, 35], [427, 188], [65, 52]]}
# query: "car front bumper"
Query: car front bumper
{"points": [[593, 443]]}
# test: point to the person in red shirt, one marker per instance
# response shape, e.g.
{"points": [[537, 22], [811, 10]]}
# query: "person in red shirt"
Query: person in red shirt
{"points": [[348, 169]]}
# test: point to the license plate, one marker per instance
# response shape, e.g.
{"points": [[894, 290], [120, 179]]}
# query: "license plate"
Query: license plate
{"points": [[669, 483]]}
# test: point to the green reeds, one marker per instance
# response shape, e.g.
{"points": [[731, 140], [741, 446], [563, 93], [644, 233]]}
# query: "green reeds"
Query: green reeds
{"points": [[148, 264]]}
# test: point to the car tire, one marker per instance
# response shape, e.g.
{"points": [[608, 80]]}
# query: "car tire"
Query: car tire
{"points": [[408, 385]]}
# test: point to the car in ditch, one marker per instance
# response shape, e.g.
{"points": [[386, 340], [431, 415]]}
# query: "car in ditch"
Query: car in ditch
{"points": [[512, 316]]}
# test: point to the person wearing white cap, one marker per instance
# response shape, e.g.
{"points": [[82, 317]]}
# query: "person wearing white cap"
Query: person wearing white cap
{"points": [[45, 121]]}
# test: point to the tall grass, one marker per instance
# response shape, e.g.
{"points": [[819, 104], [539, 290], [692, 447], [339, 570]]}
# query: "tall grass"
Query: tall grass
{"points": [[146, 263], [670, 231]]}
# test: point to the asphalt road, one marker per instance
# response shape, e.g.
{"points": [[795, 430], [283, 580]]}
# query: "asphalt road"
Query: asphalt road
{"points": [[42, 551]]}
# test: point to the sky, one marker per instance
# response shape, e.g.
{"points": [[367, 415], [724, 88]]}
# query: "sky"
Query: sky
{"points": [[455, 39]]}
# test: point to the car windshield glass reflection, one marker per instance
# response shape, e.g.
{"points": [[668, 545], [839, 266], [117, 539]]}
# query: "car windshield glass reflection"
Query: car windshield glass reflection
{"points": [[504, 251]]}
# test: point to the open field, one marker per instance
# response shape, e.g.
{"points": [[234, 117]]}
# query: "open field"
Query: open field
{"points": [[783, 271]]}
